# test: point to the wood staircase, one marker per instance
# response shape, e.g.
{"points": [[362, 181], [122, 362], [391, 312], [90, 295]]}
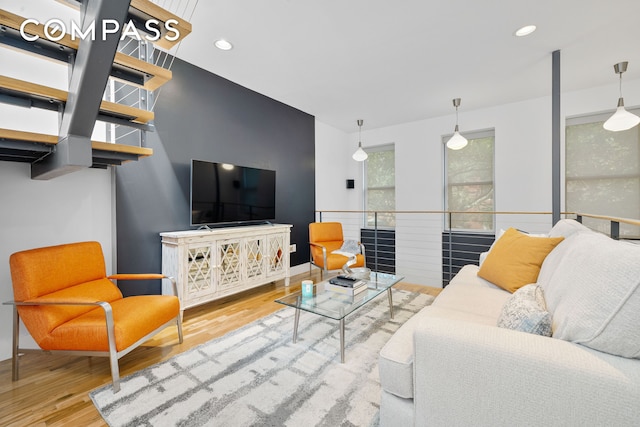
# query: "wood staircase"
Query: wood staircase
{"points": [[30, 146], [140, 73], [49, 154], [27, 90]]}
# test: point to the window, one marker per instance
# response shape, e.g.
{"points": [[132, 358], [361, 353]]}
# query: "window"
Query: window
{"points": [[380, 192], [602, 174], [469, 182]]}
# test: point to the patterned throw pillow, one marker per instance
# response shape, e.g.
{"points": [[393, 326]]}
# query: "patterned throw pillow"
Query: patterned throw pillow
{"points": [[349, 247], [526, 311]]}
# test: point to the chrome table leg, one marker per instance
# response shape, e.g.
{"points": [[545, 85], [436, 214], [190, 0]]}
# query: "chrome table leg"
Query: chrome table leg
{"points": [[342, 340], [295, 325]]}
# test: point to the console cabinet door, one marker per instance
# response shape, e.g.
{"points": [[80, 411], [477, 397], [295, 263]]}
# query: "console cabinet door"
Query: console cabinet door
{"points": [[255, 249], [200, 282], [277, 251], [230, 253]]}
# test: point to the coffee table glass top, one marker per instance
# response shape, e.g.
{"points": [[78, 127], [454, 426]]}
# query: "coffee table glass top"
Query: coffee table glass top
{"points": [[336, 306]]}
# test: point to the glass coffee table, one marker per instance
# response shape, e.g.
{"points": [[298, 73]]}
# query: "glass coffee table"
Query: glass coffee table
{"points": [[337, 306]]}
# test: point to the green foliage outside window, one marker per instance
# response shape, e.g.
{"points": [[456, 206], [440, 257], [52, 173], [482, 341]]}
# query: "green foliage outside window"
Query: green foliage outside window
{"points": [[470, 185], [602, 173], [381, 188]]}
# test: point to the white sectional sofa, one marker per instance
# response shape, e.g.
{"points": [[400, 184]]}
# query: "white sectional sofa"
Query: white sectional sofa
{"points": [[451, 365]]}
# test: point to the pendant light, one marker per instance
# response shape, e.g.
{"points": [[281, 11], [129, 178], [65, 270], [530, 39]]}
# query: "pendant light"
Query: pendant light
{"points": [[360, 155], [621, 119], [457, 141]]}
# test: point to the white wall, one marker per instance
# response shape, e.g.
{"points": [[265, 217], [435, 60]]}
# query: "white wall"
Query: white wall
{"points": [[70, 208], [34, 213], [522, 168], [333, 168]]}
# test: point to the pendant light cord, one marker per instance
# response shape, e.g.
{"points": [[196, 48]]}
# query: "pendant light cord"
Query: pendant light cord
{"points": [[620, 85]]}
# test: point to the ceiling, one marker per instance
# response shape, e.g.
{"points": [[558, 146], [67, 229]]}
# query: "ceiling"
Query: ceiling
{"points": [[391, 62]]}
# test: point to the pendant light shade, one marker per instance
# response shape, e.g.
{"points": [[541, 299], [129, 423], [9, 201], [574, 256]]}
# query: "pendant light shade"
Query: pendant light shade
{"points": [[360, 155], [621, 119], [457, 141]]}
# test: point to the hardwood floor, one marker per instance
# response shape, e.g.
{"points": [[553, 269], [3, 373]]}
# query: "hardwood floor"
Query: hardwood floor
{"points": [[53, 390]]}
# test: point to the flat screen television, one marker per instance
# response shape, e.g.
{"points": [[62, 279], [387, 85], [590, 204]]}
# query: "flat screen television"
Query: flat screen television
{"points": [[224, 193]]}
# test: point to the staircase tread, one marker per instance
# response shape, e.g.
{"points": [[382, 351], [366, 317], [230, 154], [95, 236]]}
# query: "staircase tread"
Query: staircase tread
{"points": [[137, 115], [18, 135], [163, 15], [150, 10]]}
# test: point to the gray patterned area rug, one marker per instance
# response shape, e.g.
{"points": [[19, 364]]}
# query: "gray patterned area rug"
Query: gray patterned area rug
{"points": [[256, 375]]}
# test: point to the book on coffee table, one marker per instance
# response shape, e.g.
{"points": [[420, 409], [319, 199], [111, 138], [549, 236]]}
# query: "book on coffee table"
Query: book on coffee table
{"points": [[354, 289]]}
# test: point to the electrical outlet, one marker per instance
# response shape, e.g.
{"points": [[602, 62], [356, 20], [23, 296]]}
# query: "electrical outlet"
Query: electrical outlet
{"points": [[292, 248]]}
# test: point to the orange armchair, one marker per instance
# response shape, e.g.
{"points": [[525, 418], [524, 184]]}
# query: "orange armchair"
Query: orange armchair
{"points": [[326, 237], [69, 305]]}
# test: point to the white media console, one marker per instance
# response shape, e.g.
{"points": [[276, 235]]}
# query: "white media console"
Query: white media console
{"points": [[214, 263]]}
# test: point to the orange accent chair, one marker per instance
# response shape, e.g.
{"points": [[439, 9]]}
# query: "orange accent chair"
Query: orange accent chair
{"points": [[69, 305], [326, 237]]}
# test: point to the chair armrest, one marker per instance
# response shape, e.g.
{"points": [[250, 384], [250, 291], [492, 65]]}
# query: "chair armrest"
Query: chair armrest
{"points": [[318, 245], [137, 276], [103, 304], [61, 302], [361, 248], [106, 307], [145, 276], [324, 254], [472, 374]]}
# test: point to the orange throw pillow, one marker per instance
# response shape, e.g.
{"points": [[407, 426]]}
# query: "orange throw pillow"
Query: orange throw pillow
{"points": [[515, 259]]}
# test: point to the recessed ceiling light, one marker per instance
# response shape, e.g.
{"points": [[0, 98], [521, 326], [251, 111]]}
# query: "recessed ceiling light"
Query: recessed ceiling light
{"points": [[222, 44], [525, 31]]}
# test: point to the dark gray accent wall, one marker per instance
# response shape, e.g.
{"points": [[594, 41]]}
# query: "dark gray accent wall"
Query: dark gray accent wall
{"points": [[203, 116]]}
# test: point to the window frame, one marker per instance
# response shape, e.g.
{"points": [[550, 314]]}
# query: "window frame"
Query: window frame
{"points": [[365, 187], [593, 118], [476, 134]]}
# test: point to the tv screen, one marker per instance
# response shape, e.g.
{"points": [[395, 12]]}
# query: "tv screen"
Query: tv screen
{"points": [[225, 193]]}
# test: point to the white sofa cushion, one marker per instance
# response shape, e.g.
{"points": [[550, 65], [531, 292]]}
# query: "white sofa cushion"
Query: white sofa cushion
{"points": [[396, 357], [592, 288], [470, 293], [567, 227], [475, 375], [467, 297]]}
